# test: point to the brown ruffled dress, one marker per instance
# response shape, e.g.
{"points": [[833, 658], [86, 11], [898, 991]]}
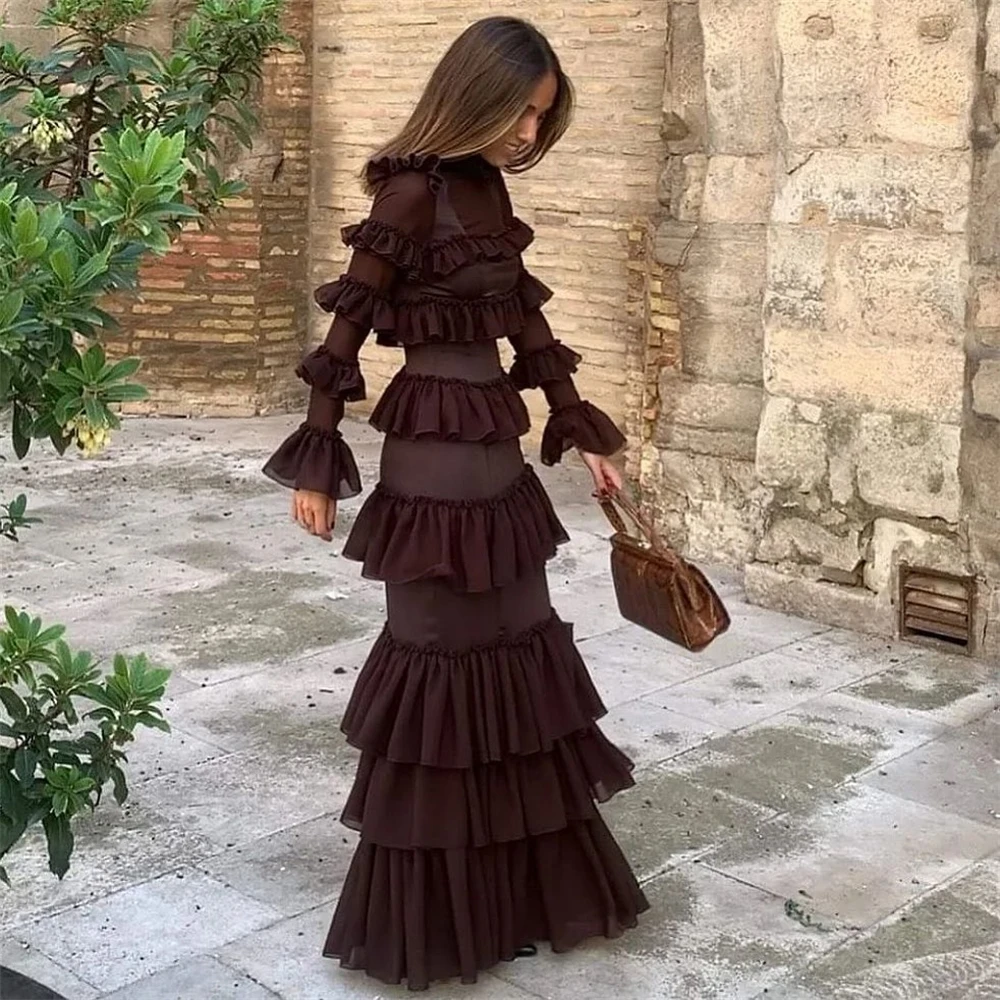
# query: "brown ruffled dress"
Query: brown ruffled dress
{"points": [[474, 713]]}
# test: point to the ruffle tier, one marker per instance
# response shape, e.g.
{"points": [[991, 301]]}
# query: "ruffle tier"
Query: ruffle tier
{"points": [[419, 704], [318, 460], [581, 425], [332, 376], [437, 258], [416, 806], [430, 915], [449, 409], [552, 363], [429, 318], [477, 545]]}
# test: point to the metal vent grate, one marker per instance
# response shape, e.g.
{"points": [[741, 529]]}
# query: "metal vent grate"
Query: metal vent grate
{"points": [[935, 606]]}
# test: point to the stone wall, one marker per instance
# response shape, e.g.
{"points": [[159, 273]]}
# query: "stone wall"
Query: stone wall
{"points": [[832, 414]]}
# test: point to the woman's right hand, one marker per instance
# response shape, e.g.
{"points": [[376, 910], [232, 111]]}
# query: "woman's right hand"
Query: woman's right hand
{"points": [[316, 512]]}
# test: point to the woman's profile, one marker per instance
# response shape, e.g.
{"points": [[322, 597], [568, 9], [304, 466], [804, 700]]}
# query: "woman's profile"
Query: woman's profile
{"points": [[474, 714]]}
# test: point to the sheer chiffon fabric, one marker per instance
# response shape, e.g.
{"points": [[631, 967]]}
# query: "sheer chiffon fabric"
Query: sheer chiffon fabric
{"points": [[475, 717]]}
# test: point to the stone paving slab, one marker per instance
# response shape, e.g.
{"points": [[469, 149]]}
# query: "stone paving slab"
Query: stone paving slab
{"points": [[122, 938], [793, 781], [856, 855]]}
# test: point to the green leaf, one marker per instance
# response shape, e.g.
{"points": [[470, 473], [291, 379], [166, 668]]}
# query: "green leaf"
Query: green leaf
{"points": [[25, 765], [93, 411], [123, 369], [120, 785], [12, 702], [10, 307], [60, 843], [125, 393]]}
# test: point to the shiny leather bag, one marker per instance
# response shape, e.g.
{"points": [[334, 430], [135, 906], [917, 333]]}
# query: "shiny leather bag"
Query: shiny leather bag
{"points": [[655, 587]]}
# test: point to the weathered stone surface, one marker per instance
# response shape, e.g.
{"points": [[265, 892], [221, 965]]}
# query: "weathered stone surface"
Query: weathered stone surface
{"points": [[673, 242], [901, 287], [893, 542], [887, 190], [909, 465], [986, 389], [739, 189], [791, 453], [713, 405], [797, 262], [794, 539], [849, 369], [924, 85], [682, 186], [741, 79], [684, 91], [986, 301], [845, 607], [828, 58]]}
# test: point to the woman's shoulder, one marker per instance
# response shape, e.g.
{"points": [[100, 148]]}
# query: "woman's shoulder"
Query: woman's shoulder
{"points": [[414, 175]]}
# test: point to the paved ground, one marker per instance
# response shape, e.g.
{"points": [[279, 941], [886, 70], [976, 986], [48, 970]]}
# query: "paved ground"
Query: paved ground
{"points": [[816, 815]]}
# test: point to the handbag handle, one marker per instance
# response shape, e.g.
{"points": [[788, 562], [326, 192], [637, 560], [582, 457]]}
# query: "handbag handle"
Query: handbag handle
{"points": [[614, 503]]}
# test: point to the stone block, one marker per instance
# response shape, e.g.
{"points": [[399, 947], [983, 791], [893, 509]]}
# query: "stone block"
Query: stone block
{"points": [[700, 441], [673, 242], [791, 452], [910, 465], [794, 539], [684, 95], [726, 532], [901, 288], [887, 190], [682, 186], [845, 368], [893, 542], [987, 299], [797, 262], [993, 40], [926, 75], [723, 340], [701, 477], [712, 405], [986, 389], [843, 607], [741, 77], [828, 56], [738, 189]]}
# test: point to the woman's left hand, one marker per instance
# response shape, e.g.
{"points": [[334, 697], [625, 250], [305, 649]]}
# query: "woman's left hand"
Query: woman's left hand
{"points": [[607, 478]]}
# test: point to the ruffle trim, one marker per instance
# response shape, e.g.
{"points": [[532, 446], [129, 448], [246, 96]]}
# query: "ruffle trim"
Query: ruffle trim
{"points": [[428, 318], [446, 256], [583, 426], [355, 301], [447, 409], [402, 805], [477, 545], [318, 460], [332, 376], [439, 258], [550, 364], [446, 709], [386, 241], [434, 915], [380, 170]]}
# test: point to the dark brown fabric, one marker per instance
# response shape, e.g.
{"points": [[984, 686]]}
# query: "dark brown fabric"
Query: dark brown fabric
{"points": [[313, 459], [481, 759], [580, 425]]}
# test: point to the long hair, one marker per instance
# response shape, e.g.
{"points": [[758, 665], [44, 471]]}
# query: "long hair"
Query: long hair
{"points": [[479, 90]]}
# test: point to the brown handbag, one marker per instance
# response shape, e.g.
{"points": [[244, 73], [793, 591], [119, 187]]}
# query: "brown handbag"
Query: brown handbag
{"points": [[656, 588]]}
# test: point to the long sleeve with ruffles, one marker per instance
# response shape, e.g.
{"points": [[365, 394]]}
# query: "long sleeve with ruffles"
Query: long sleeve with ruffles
{"points": [[542, 362], [316, 457]]}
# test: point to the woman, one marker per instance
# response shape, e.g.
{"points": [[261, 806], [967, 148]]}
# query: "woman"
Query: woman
{"points": [[474, 713]]}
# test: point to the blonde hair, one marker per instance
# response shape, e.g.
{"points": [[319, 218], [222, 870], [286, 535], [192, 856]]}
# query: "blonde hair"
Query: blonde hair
{"points": [[477, 93]]}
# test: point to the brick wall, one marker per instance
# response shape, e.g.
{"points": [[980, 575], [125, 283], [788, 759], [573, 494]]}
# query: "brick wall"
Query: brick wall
{"points": [[220, 321], [582, 201]]}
